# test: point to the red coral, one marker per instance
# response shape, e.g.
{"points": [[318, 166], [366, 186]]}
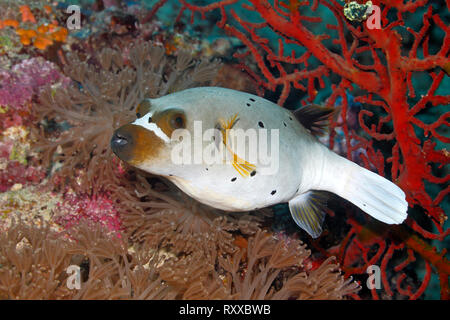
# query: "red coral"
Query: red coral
{"points": [[377, 66], [97, 210], [5, 149], [17, 173]]}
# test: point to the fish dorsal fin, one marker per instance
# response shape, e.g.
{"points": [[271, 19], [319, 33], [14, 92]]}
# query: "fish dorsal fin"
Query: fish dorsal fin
{"points": [[307, 210], [314, 117]]}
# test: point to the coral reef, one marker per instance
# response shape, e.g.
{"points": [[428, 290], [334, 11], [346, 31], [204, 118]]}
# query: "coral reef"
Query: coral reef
{"points": [[187, 235], [40, 29], [20, 85], [34, 262], [66, 200], [96, 210]]}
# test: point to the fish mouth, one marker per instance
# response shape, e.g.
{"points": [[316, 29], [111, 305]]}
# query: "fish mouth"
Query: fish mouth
{"points": [[123, 143], [135, 144]]}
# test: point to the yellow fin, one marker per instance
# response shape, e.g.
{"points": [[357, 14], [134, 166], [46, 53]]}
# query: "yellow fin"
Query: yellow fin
{"points": [[243, 167], [307, 210]]}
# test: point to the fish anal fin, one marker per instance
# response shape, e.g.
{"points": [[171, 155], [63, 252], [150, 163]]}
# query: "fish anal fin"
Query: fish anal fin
{"points": [[314, 118], [308, 211]]}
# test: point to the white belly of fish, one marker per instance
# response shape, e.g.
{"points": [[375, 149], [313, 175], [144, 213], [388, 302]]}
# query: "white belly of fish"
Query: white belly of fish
{"points": [[222, 187]]}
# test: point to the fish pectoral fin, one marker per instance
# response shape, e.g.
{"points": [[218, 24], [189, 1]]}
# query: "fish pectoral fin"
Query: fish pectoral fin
{"points": [[222, 127], [232, 121], [308, 211], [242, 166]]}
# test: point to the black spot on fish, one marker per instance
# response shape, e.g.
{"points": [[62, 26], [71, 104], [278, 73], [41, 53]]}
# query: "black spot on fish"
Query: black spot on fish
{"points": [[248, 104], [170, 175], [206, 169], [252, 173], [149, 119], [261, 124], [364, 204], [234, 179], [290, 118], [273, 192], [285, 124], [251, 99]]}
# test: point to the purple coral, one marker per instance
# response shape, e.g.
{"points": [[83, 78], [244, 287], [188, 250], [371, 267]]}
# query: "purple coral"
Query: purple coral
{"points": [[13, 91], [5, 149], [97, 210], [17, 173], [37, 72], [21, 83]]}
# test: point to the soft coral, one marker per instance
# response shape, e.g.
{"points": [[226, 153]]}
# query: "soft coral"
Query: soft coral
{"points": [[102, 97]]}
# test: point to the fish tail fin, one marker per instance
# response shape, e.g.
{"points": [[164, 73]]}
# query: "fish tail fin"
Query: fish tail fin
{"points": [[375, 195]]}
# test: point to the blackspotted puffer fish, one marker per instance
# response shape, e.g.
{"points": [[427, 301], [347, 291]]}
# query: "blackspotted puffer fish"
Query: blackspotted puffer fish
{"points": [[300, 169]]}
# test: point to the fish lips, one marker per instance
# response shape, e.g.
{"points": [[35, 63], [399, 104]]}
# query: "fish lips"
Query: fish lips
{"points": [[135, 144]]}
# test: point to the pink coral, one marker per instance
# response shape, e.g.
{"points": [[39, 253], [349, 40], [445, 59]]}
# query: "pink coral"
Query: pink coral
{"points": [[37, 72], [20, 84], [96, 209], [13, 91], [25, 79], [17, 173], [5, 149]]}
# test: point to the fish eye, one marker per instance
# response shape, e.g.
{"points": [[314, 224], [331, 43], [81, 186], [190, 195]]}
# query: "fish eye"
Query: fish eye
{"points": [[143, 108], [177, 121], [169, 120]]}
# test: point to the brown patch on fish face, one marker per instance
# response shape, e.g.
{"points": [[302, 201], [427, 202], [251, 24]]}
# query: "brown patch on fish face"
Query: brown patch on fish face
{"points": [[135, 144], [170, 120]]}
